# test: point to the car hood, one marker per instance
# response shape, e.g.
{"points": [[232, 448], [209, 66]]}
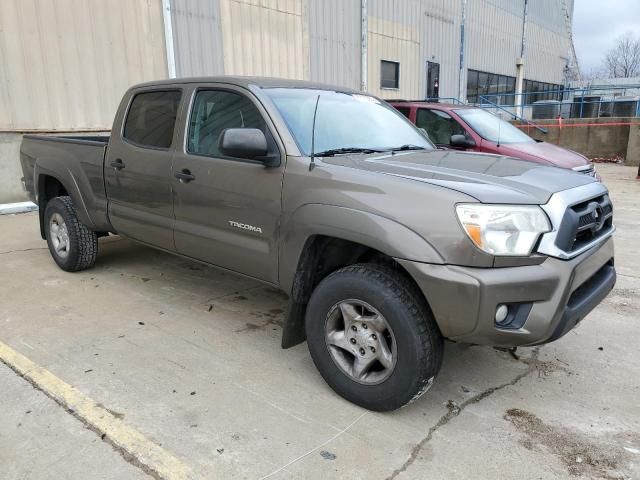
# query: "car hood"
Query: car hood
{"points": [[557, 156], [488, 178]]}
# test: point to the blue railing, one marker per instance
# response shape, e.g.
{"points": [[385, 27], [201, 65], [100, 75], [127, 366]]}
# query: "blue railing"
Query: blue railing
{"points": [[587, 102]]}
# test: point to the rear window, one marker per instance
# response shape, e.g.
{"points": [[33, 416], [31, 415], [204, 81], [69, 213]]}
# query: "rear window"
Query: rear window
{"points": [[152, 118]]}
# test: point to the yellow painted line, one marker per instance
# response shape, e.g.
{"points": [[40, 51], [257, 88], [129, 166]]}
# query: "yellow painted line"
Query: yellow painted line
{"points": [[135, 447]]}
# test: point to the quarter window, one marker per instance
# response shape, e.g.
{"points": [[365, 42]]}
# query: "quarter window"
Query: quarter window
{"points": [[389, 74], [438, 125], [216, 110], [152, 118]]}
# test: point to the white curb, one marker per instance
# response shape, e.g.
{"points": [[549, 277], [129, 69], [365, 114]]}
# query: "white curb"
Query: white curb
{"points": [[20, 207]]}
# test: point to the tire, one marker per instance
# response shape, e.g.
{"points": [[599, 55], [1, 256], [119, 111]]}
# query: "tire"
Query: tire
{"points": [[412, 337], [72, 245]]}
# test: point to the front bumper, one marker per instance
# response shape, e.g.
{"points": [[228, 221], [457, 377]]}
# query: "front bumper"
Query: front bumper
{"points": [[560, 294]]}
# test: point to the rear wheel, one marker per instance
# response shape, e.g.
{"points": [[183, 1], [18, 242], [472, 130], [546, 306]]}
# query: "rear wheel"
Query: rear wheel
{"points": [[72, 245], [372, 337]]}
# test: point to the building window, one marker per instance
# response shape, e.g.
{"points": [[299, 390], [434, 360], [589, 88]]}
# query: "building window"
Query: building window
{"points": [[485, 87], [536, 91], [389, 74]]}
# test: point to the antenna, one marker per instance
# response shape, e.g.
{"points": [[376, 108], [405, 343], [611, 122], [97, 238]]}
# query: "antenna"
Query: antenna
{"points": [[313, 134]]}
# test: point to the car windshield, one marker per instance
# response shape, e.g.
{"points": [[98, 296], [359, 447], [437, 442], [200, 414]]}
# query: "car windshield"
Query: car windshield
{"points": [[491, 127], [345, 122]]}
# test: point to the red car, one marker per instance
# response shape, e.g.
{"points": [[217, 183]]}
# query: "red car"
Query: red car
{"points": [[465, 127]]}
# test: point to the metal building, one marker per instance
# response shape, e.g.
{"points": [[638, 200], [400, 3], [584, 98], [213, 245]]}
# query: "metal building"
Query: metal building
{"points": [[65, 64]]}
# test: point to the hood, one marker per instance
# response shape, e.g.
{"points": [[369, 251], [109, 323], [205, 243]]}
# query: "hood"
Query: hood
{"points": [[488, 178], [555, 155]]}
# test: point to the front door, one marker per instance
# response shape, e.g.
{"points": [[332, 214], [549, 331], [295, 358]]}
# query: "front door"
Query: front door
{"points": [[227, 210], [138, 168], [439, 125]]}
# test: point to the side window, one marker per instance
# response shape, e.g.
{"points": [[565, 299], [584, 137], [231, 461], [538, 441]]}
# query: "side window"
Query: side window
{"points": [[439, 125], [216, 110], [406, 111], [152, 118]]}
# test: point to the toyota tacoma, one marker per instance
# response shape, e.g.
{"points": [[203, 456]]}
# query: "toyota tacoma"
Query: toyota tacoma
{"points": [[385, 245]]}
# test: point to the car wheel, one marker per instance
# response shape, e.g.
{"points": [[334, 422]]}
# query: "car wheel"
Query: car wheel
{"points": [[72, 245], [372, 336]]}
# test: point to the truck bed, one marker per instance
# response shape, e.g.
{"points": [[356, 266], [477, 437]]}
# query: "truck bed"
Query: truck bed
{"points": [[77, 162]]}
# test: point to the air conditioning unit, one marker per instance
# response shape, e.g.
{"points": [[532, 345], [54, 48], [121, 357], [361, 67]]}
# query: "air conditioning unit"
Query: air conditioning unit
{"points": [[625, 106], [586, 107], [546, 109]]}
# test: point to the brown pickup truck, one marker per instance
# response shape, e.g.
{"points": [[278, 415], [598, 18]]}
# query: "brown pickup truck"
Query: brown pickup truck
{"points": [[384, 244]]}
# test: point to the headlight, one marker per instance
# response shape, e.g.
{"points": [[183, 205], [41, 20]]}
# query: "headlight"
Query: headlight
{"points": [[503, 229]]}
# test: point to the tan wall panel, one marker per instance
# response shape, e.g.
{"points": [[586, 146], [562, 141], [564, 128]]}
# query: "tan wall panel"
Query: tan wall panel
{"points": [[395, 42], [66, 64], [265, 37]]}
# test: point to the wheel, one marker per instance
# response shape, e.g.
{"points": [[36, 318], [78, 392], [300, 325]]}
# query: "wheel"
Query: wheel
{"points": [[372, 336], [72, 245]]}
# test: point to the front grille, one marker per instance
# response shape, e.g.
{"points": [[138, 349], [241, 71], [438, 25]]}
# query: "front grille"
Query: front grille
{"points": [[584, 223]]}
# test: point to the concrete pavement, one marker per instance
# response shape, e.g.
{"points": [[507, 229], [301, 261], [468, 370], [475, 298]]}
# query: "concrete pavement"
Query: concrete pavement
{"points": [[190, 358]]}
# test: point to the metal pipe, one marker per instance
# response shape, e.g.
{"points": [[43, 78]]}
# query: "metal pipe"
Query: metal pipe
{"points": [[364, 45], [462, 91], [520, 63], [523, 45], [168, 38]]}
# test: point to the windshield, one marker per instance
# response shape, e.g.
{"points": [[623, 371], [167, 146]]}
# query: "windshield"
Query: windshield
{"points": [[345, 122], [492, 128]]}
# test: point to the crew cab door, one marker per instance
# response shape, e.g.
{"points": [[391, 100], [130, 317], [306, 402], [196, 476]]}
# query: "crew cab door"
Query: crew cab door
{"points": [[440, 126], [227, 209], [137, 168]]}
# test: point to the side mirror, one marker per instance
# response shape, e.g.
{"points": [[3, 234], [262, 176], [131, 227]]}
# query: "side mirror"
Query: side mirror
{"points": [[460, 141], [249, 143]]}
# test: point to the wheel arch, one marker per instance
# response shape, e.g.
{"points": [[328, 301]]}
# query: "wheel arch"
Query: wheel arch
{"points": [[51, 184], [323, 239]]}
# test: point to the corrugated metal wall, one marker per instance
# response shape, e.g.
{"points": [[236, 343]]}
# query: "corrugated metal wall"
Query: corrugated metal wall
{"points": [[334, 42], [66, 64], [197, 37], [265, 37]]}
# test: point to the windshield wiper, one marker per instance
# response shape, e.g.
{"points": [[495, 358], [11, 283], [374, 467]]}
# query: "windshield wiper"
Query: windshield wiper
{"points": [[345, 150], [406, 147]]}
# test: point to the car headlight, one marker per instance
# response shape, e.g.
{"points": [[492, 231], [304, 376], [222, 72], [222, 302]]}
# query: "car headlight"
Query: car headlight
{"points": [[503, 229]]}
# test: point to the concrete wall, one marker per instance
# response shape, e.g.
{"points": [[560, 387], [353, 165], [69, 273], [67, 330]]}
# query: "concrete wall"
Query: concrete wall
{"points": [[10, 170], [595, 139]]}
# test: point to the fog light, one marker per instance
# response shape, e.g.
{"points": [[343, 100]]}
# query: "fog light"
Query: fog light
{"points": [[501, 314]]}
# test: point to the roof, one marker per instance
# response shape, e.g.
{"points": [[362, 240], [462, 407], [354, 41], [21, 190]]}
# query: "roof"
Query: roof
{"points": [[424, 103], [262, 82]]}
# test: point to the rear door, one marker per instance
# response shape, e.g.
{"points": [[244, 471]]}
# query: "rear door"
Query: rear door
{"points": [[138, 167], [439, 125], [228, 213]]}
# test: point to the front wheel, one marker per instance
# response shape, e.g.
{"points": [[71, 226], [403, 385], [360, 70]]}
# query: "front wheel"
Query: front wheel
{"points": [[72, 245], [372, 337]]}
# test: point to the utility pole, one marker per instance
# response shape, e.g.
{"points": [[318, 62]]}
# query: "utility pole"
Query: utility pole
{"points": [[462, 90], [519, 100]]}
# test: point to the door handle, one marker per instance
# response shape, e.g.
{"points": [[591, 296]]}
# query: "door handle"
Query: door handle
{"points": [[185, 176], [117, 164]]}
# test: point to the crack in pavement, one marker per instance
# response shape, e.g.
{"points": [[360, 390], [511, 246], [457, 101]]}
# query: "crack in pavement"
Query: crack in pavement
{"points": [[455, 410], [24, 250]]}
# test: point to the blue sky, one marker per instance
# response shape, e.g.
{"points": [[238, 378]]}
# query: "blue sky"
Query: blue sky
{"points": [[597, 24]]}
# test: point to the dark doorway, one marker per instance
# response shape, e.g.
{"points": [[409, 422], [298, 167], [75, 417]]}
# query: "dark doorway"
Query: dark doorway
{"points": [[433, 80]]}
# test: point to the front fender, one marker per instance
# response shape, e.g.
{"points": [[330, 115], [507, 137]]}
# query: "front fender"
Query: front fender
{"points": [[365, 228]]}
